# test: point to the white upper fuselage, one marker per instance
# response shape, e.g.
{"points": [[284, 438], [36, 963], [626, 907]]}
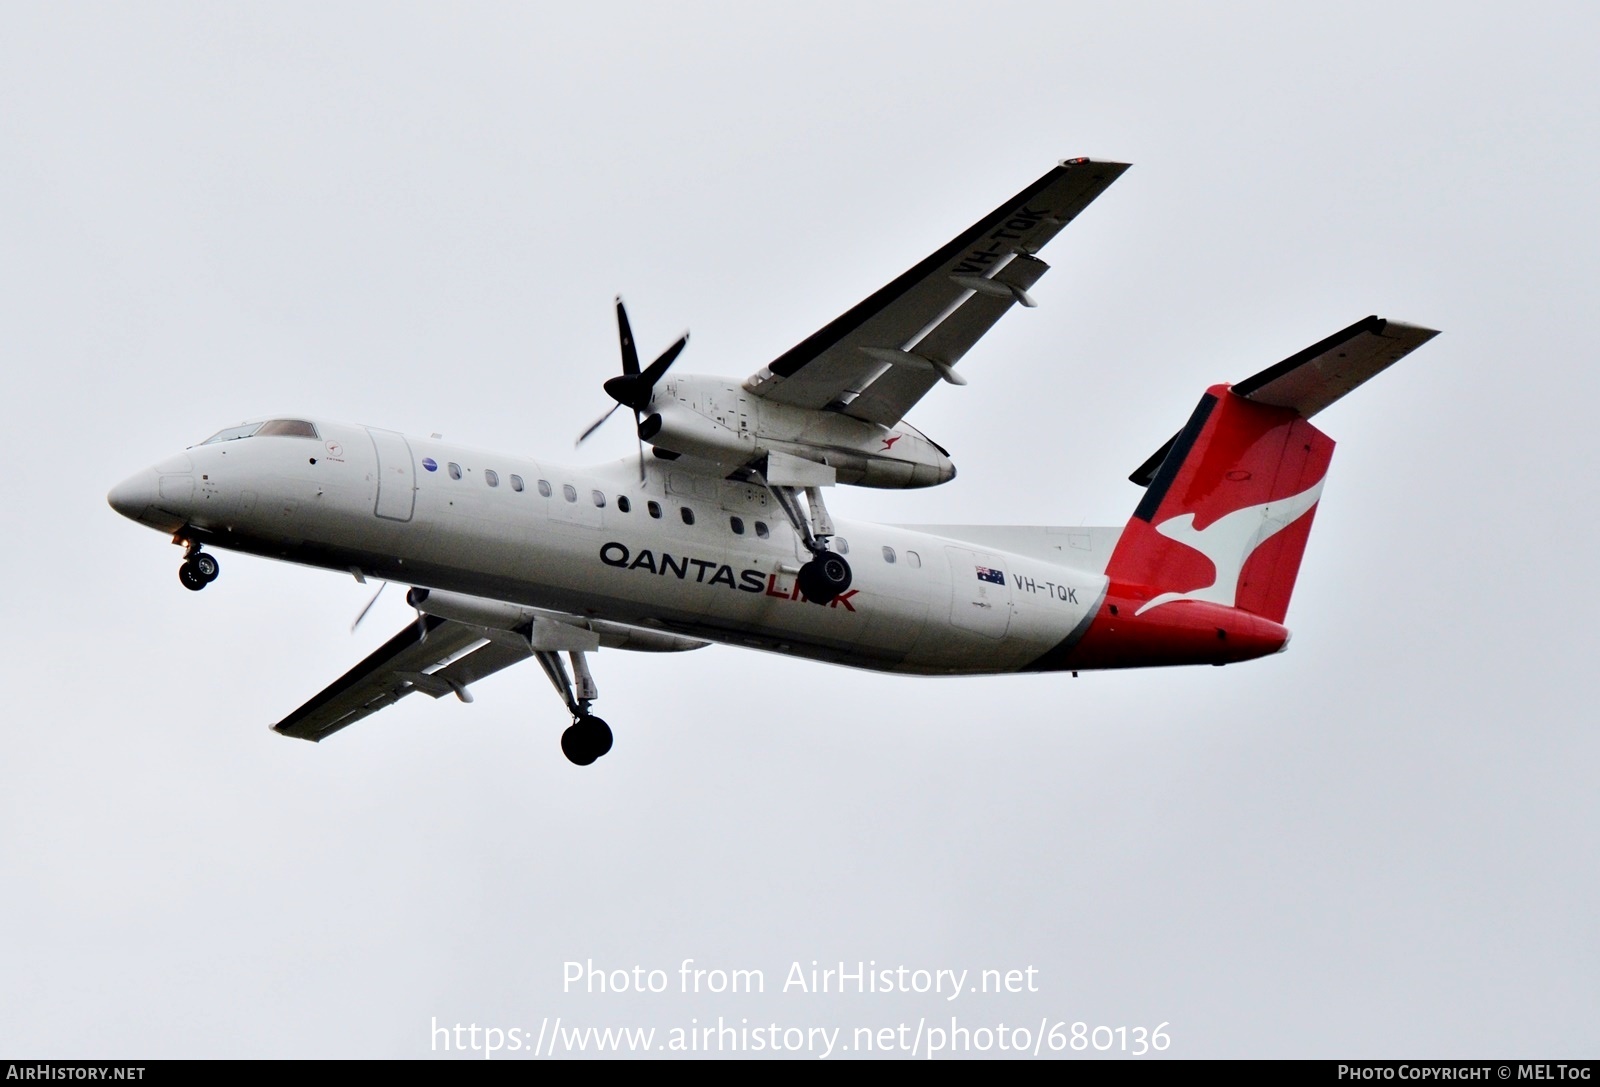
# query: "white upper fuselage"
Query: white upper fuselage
{"points": [[595, 543]]}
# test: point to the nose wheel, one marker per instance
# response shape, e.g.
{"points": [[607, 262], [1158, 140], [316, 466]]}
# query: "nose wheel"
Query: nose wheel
{"points": [[198, 571]]}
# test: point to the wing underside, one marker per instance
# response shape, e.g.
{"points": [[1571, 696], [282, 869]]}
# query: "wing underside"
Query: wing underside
{"points": [[433, 655], [876, 361]]}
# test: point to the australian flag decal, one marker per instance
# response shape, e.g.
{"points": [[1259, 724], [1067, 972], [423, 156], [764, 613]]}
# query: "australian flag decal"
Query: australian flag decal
{"points": [[993, 577]]}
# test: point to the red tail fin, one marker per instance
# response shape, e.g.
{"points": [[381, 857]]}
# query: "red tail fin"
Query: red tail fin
{"points": [[1225, 519], [1204, 570]]}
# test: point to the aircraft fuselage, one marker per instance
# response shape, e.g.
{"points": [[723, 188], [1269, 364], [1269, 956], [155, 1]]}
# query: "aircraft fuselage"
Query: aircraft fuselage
{"points": [[683, 552]]}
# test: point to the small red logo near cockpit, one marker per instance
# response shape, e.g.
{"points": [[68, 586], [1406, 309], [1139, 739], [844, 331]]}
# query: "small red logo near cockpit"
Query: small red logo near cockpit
{"points": [[335, 451]]}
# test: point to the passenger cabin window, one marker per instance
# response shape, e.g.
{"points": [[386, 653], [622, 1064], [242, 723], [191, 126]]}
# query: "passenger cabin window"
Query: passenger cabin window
{"points": [[544, 488], [762, 530], [913, 560], [623, 504], [569, 492], [737, 524], [599, 498], [455, 470], [516, 483], [841, 545], [888, 553], [491, 477], [687, 513], [655, 508]]}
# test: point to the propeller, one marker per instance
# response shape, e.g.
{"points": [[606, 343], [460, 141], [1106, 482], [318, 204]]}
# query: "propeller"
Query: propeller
{"points": [[363, 614], [633, 388], [422, 623]]}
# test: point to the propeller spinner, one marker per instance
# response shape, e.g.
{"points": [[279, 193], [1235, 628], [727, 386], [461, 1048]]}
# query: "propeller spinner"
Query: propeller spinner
{"points": [[633, 387]]}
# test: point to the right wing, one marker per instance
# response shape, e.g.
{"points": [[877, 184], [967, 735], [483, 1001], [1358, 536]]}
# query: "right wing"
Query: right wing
{"points": [[876, 361]]}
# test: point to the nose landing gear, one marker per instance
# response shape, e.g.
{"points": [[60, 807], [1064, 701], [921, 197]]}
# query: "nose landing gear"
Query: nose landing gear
{"points": [[199, 569]]}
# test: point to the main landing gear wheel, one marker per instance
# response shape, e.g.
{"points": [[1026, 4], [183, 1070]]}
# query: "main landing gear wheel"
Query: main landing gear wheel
{"points": [[586, 739], [824, 578], [198, 571]]}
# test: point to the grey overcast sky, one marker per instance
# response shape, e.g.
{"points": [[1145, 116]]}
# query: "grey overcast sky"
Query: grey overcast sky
{"points": [[1381, 843]]}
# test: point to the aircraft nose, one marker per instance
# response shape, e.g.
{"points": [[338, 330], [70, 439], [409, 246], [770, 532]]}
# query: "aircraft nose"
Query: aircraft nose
{"points": [[135, 494], [153, 498]]}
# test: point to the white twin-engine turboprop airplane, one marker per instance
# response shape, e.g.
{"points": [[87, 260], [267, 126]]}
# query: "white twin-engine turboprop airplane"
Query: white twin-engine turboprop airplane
{"points": [[723, 534]]}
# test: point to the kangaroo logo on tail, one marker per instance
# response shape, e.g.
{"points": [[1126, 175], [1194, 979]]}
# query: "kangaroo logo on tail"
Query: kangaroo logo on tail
{"points": [[1230, 540]]}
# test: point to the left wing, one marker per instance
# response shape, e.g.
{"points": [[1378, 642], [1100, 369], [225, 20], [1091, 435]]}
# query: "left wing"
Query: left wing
{"points": [[457, 654], [877, 360], [439, 656]]}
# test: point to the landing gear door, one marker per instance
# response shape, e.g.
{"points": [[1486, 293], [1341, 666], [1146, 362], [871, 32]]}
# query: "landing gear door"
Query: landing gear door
{"points": [[397, 475], [980, 596]]}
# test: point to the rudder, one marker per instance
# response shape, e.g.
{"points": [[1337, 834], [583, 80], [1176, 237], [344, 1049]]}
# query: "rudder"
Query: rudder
{"points": [[1226, 517]]}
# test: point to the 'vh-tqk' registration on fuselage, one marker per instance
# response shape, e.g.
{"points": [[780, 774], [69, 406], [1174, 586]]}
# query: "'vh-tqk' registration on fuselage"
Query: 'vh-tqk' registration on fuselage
{"points": [[722, 533]]}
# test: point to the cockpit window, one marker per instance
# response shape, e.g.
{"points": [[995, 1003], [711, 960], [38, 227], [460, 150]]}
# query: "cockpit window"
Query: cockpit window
{"points": [[233, 433], [287, 428], [283, 428]]}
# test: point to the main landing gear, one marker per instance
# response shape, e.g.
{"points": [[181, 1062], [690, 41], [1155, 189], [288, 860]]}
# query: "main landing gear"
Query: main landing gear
{"points": [[588, 737], [199, 569], [827, 575]]}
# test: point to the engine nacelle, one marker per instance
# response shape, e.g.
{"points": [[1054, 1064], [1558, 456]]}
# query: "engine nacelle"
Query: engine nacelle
{"points": [[678, 428], [848, 446], [540, 630], [890, 473], [474, 611]]}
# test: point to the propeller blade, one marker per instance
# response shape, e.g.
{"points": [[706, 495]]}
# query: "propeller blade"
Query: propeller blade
{"points": [[368, 608], [653, 372], [594, 426], [630, 355], [636, 423]]}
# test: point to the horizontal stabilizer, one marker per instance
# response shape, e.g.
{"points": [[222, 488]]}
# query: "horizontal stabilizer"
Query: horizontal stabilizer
{"points": [[1308, 381]]}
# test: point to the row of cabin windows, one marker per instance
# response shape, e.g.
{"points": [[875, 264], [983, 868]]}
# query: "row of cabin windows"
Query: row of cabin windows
{"points": [[913, 559], [570, 493], [624, 504]]}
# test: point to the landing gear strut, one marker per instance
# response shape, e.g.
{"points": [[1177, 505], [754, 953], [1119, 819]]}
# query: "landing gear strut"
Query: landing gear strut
{"points": [[588, 737], [199, 569], [827, 575]]}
